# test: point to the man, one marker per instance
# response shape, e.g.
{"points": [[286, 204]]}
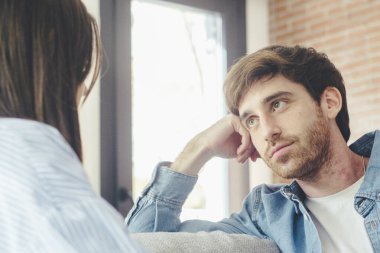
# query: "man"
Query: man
{"points": [[289, 108]]}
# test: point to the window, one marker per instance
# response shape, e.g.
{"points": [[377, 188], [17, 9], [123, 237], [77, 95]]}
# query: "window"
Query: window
{"points": [[178, 65], [166, 61]]}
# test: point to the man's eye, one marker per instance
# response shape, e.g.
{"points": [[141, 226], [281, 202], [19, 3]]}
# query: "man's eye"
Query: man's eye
{"points": [[278, 105], [251, 122]]}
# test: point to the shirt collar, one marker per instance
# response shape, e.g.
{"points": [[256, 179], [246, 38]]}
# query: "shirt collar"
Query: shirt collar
{"points": [[369, 146]]}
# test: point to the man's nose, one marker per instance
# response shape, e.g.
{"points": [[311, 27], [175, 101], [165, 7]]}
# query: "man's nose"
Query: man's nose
{"points": [[271, 129]]}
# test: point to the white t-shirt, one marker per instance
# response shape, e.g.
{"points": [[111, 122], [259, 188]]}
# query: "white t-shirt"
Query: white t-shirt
{"points": [[340, 227]]}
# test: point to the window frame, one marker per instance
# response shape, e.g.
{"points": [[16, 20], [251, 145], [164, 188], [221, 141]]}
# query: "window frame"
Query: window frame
{"points": [[116, 87]]}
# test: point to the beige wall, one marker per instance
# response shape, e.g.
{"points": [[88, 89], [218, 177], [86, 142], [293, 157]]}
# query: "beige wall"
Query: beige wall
{"points": [[257, 17], [90, 120]]}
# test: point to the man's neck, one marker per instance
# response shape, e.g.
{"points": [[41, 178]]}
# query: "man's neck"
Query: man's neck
{"points": [[342, 170]]}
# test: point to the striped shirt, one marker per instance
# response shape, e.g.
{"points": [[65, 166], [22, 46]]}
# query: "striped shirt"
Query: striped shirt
{"points": [[46, 202]]}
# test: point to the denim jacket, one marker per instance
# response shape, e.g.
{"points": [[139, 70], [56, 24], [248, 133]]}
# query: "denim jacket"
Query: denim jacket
{"points": [[273, 212]]}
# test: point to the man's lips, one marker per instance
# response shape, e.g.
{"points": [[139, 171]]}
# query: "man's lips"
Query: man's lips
{"points": [[278, 148]]}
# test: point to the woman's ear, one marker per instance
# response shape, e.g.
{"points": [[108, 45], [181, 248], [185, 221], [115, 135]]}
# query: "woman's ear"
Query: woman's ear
{"points": [[331, 102]]}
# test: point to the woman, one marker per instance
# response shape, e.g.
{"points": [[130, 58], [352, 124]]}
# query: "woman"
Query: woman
{"points": [[46, 202]]}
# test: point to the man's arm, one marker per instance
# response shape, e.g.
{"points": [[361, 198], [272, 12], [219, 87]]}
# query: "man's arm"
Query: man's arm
{"points": [[160, 205], [227, 138]]}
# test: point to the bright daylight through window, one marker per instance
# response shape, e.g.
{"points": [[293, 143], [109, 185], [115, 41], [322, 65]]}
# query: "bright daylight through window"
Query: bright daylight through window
{"points": [[178, 66]]}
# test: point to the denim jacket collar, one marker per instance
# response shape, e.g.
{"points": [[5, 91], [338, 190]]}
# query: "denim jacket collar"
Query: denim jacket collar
{"points": [[369, 191]]}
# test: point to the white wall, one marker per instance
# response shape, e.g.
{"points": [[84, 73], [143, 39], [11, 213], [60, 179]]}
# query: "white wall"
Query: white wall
{"points": [[90, 119], [257, 26]]}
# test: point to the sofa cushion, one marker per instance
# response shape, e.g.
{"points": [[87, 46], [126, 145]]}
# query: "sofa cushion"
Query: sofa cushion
{"points": [[220, 242]]}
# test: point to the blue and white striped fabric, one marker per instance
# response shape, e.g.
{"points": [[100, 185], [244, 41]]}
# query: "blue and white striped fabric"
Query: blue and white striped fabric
{"points": [[46, 201]]}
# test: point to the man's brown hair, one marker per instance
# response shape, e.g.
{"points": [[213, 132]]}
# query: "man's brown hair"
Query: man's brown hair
{"points": [[304, 66]]}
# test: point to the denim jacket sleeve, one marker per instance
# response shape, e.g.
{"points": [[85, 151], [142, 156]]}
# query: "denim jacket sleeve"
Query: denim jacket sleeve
{"points": [[159, 208]]}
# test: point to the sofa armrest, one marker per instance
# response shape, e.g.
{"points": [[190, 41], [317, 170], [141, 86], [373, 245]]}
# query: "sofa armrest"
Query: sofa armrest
{"points": [[218, 242]]}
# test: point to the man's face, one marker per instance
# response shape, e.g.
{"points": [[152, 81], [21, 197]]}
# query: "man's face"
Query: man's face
{"points": [[287, 127]]}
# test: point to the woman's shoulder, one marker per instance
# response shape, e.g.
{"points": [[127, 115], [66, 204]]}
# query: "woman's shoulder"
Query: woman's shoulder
{"points": [[37, 155]]}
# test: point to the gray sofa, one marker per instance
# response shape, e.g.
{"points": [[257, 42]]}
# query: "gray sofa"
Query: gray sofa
{"points": [[211, 242]]}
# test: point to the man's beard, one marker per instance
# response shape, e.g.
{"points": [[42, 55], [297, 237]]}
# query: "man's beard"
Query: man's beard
{"points": [[309, 157]]}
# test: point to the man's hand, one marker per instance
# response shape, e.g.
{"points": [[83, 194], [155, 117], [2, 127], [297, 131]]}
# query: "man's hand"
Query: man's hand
{"points": [[227, 138]]}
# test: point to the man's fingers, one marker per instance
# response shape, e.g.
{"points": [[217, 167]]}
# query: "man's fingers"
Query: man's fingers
{"points": [[246, 142], [254, 156], [241, 158]]}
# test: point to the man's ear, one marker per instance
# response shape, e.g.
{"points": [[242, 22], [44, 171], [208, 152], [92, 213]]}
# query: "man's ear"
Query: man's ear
{"points": [[331, 102]]}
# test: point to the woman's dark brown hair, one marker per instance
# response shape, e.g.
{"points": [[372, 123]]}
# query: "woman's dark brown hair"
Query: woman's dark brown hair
{"points": [[304, 66], [47, 49]]}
